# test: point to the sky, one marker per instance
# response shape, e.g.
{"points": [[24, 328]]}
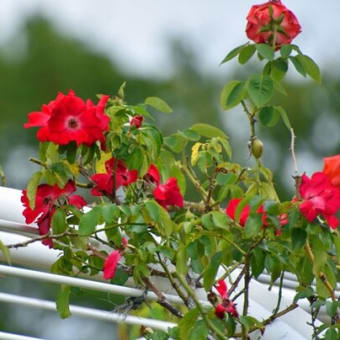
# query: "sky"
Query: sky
{"points": [[135, 32]]}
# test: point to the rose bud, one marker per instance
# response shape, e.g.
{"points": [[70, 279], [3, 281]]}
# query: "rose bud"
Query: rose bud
{"points": [[136, 121]]}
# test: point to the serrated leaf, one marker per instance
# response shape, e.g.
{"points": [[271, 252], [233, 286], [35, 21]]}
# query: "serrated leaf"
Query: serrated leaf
{"points": [[232, 94], [260, 89], [32, 187], [6, 253], [246, 53], [265, 51], [210, 273], [279, 69], [158, 104], [253, 225], [89, 221], [233, 53], [63, 301], [208, 131], [257, 262]]}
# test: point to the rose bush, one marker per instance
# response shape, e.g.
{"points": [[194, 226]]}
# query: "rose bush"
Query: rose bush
{"points": [[137, 179]]}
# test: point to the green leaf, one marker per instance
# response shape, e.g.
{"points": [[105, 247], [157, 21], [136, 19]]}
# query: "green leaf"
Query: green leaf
{"points": [[199, 332], [246, 53], [58, 222], [284, 116], [182, 261], [209, 131], [110, 213], [253, 225], [331, 334], [210, 273], [257, 262], [331, 307], [265, 51], [89, 221], [260, 89], [135, 159], [298, 66], [232, 94], [220, 219], [153, 209], [71, 152], [279, 69], [241, 206], [175, 142], [306, 293], [32, 187], [299, 237], [311, 68], [187, 323], [181, 181], [6, 253], [233, 53], [269, 116], [286, 50], [159, 104], [63, 301], [336, 240]]}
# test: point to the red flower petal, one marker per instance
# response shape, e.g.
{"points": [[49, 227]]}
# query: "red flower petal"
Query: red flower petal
{"points": [[110, 265], [222, 289]]}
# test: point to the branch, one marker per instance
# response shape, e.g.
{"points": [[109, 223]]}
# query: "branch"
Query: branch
{"points": [[161, 299]]}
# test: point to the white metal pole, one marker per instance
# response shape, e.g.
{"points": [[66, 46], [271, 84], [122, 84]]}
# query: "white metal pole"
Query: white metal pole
{"points": [[86, 312], [87, 284], [10, 336]]}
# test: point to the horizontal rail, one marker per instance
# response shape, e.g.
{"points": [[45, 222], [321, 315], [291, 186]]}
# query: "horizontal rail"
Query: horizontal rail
{"points": [[11, 336], [86, 312]]}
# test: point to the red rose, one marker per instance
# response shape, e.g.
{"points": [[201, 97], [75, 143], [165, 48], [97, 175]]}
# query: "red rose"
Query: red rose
{"points": [[106, 183], [46, 203], [136, 121], [69, 119], [320, 197], [168, 194], [232, 206], [227, 306], [261, 24], [152, 175], [332, 169]]}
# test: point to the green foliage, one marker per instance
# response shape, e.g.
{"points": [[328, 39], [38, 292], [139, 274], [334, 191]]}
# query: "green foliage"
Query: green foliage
{"points": [[62, 302]]}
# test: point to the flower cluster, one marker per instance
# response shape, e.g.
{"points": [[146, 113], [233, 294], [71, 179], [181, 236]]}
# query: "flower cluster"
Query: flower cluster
{"points": [[69, 119], [46, 201], [116, 175], [269, 20]]}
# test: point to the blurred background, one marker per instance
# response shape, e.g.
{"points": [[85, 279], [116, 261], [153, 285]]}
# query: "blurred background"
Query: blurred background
{"points": [[161, 48]]}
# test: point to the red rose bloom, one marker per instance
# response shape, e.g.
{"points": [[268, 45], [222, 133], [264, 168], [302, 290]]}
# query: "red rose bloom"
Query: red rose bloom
{"points": [[110, 265], [320, 197], [260, 25], [332, 169], [69, 119], [232, 206], [168, 194], [227, 306], [136, 121], [105, 183], [46, 203]]}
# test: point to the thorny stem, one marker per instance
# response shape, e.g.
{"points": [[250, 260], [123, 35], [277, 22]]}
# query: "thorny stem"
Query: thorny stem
{"points": [[207, 321], [37, 161]]}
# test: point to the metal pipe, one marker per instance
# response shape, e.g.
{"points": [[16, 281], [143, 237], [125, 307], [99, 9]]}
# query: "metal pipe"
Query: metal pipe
{"points": [[87, 312]]}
